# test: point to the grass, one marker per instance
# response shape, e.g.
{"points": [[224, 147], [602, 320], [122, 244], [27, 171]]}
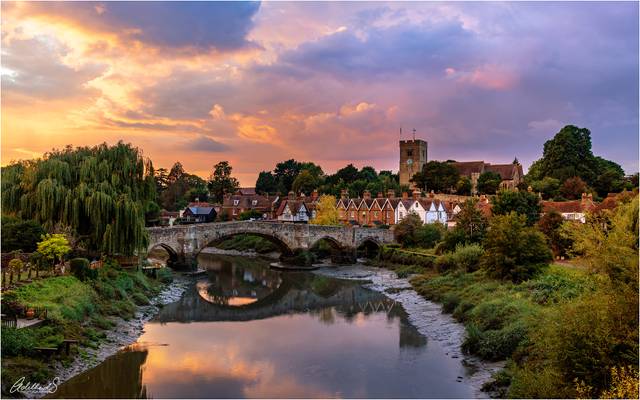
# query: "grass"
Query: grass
{"points": [[76, 310], [499, 315]]}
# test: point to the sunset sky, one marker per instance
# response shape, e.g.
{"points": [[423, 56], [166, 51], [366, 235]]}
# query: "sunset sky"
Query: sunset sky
{"points": [[258, 83]]}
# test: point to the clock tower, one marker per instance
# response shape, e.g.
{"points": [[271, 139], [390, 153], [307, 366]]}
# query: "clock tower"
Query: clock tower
{"points": [[413, 156]]}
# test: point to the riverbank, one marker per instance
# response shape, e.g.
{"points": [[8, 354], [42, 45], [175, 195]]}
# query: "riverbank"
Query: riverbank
{"points": [[542, 331], [102, 315]]}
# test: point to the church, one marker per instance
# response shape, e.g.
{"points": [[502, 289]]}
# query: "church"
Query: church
{"points": [[413, 156]]}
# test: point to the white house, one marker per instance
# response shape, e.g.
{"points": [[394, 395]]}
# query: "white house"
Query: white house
{"points": [[293, 211]]}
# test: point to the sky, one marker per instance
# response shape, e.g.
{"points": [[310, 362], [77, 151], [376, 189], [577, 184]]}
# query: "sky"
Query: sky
{"points": [[333, 83]]}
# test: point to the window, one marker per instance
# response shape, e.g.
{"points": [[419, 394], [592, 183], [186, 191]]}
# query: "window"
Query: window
{"points": [[410, 153], [254, 202], [235, 202], [235, 212], [375, 214], [353, 214]]}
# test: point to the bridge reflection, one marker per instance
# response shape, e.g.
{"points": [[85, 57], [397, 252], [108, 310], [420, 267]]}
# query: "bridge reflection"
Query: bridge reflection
{"points": [[245, 289]]}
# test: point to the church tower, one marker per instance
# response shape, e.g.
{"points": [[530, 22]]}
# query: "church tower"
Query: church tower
{"points": [[413, 156]]}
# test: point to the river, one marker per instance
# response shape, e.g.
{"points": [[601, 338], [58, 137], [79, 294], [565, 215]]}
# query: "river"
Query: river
{"points": [[245, 330]]}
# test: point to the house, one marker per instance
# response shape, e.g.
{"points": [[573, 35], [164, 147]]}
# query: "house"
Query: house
{"points": [[198, 212], [511, 174], [296, 209], [168, 218], [235, 204], [574, 210]]}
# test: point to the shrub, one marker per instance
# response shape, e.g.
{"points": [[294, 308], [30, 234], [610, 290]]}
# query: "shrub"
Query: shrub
{"points": [[405, 231], [80, 268], [428, 235], [140, 299], [467, 257], [513, 250], [445, 262], [16, 342], [449, 302]]}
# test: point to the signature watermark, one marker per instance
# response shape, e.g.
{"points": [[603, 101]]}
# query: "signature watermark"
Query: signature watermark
{"points": [[20, 386]]}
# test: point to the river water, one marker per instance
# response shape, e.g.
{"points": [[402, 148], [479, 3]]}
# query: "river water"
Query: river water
{"points": [[245, 330]]}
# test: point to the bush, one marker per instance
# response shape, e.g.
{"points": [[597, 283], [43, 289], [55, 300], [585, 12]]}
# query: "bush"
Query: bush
{"points": [[405, 231], [16, 342], [428, 235], [445, 262], [140, 299], [80, 268], [467, 257], [20, 234], [165, 275], [513, 250], [449, 302]]}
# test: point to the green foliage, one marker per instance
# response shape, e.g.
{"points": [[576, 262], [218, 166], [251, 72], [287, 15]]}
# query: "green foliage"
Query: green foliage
{"points": [[176, 188], [100, 192], [301, 258], [464, 186], [249, 214], [405, 231], [471, 222], [523, 203], [247, 242], [489, 182], [305, 182], [65, 297], [513, 250], [16, 342], [20, 234], [427, 235], [549, 187], [221, 181], [80, 269], [569, 154], [392, 256], [465, 258], [437, 176]]}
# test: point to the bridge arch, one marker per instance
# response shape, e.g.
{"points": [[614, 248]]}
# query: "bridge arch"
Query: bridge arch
{"points": [[369, 247], [284, 248], [327, 239], [173, 254]]}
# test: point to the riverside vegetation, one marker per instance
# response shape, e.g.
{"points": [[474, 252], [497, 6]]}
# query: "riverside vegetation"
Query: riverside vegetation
{"points": [[81, 307], [565, 331]]}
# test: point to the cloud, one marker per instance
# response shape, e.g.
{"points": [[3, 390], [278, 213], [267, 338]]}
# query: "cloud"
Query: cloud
{"points": [[205, 144]]}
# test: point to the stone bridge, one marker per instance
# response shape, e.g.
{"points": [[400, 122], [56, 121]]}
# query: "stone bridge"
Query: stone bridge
{"points": [[185, 242]]}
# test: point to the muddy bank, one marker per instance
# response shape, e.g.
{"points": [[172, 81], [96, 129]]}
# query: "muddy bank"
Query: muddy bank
{"points": [[122, 334], [426, 316]]}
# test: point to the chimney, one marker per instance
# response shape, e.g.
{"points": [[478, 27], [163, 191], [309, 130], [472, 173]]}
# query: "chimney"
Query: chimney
{"points": [[483, 198], [292, 195], [391, 193], [366, 195], [302, 196], [380, 195], [432, 194], [344, 194], [405, 196], [314, 194], [416, 194], [584, 196], [197, 199]]}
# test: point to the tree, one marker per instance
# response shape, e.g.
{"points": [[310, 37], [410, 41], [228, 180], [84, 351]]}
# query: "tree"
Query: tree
{"points": [[54, 247], [266, 183], [368, 174], [18, 234], [551, 226], [573, 188], [569, 154], [250, 214], [326, 211], [512, 250], [348, 174], [428, 235], [405, 231], [285, 173], [489, 182], [464, 186], [305, 182], [548, 187], [610, 177], [437, 176], [221, 181], [526, 204], [472, 222], [101, 192]]}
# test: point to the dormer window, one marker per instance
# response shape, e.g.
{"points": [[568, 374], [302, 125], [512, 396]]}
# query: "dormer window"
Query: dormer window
{"points": [[236, 202], [254, 202]]}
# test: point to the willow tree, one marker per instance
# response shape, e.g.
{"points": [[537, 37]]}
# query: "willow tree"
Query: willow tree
{"points": [[101, 192]]}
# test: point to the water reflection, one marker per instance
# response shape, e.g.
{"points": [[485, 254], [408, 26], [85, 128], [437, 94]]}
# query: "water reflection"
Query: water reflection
{"points": [[302, 335], [235, 284]]}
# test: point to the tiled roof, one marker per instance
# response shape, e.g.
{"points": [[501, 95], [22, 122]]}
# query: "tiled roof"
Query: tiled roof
{"points": [[466, 168], [506, 171], [574, 206], [248, 191]]}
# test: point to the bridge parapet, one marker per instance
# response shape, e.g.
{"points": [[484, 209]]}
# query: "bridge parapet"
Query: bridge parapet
{"points": [[186, 241]]}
